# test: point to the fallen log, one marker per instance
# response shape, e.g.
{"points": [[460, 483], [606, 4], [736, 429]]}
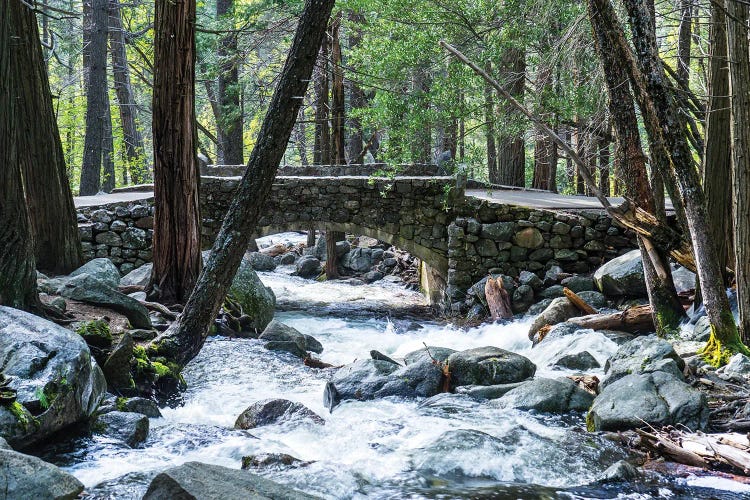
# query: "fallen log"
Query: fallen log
{"points": [[635, 319], [670, 450], [498, 299], [577, 301], [274, 250]]}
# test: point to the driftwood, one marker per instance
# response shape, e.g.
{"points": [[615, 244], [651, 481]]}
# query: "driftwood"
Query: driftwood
{"points": [[274, 250], [589, 383], [660, 444], [316, 363], [498, 299], [634, 319], [155, 306], [126, 289], [577, 301]]}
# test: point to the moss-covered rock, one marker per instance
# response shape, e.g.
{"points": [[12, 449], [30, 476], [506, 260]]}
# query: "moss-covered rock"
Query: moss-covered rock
{"points": [[256, 300]]}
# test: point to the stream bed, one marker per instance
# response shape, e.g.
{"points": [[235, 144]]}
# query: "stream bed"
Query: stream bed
{"points": [[449, 446]]}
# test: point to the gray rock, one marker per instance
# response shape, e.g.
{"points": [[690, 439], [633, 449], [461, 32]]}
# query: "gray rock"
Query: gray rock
{"points": [[379, 356], [372, 276], [547, 395], [102, 270], [140, 405], [489, 366], [117, 366], [530, 279], [594, 299], [579, 283], [581, 361], [53, 374], [274, 411], [684, 279], [487, 391], [522, 298], [257, 300], [644, 354], [308, 267], [359, 260], [536, 309], [4, 445], [559, 310], [657, 399], [440, 354], [287, 259], [87, 289], [260, 261], [27, 477], [622, 276], [618, 472], [279, 336], [131, 428], [267, 461], [554, 275], [701, 330], [342, 248], [195, 480], [552, 292], [134, 238], [738, 368], [498, 231], [109, 238]]}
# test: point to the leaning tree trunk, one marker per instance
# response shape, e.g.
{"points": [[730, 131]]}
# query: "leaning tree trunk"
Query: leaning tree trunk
{"points": [[95, 26], [724, 340], [665, 306], [57, 245], [183, 340], [717, 161], [739, 83], [17, 267], [176, 247], [134, 152], [229, 120]]}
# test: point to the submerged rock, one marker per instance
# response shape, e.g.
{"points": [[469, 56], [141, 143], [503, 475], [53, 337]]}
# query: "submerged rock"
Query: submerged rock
{"points": [[547, 395], [487, 391], [622, 276], [195, 480], [579, 361], [619, 471], [273, 411], [272, 461], [281, 337], [27, 477], [57, 383], [131, 428], [489, 366]]}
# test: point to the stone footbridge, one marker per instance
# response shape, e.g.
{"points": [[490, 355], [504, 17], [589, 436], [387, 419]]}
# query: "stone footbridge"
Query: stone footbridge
{"points": [[459, 234]]}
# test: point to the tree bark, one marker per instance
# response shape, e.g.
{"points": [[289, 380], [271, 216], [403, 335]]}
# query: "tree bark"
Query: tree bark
{"points": [[489, 127], [49, 201], [511, 161], [108, 152], [322, 146], [739, 83], [134, 152], [17, 266], [176, 241], [355, 137], [95, 27], [338, 115], [183, 340], [229, 122], [685, 39], [332, 270]]}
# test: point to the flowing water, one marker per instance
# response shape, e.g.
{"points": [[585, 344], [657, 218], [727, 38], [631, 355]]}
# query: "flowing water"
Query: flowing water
{"points": [[445, 447]]}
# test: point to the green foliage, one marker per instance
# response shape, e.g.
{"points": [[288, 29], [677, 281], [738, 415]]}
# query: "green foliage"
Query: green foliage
{"points": [[95, 328]]}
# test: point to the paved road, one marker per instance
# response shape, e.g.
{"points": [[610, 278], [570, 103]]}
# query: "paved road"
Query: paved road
{"points": [[531, 199]]}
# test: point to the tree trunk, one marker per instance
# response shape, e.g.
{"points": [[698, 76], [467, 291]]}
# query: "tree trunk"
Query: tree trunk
{"points": [[739, 82], [332, 270], [108, 153], [511, 161], [49, 200], [421, 150], [300, 138], [176, 247], [17, 267], [489, 118], [604, 166], [322, 151], [544, 149], [355, 138], [717, 161], [134, 152], [229, 121], [183, 340], [685, 39], [95, 28], [724, 339], [337, 93]]}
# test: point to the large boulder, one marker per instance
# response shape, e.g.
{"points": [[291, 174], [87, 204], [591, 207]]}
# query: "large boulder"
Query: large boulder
{"points": [[57, 382], [645, 354], [656, 399], [87, 289], [428, 354], [273, 411], [308, 267], [581, 361], [622, 276], [102, 270], [139, 276], [195, 480], [26, 477], [359, 260], [131, 428], [489, 366], [261, 261], [117, 366], [257, 300], [560, 309], [281, 337], [370, 379], [547, 395]]}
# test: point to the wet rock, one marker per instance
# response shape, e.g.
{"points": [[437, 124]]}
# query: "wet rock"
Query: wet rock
{"points": [[622, 276], [287, 259], [56, 381], [372, 276], [593, 298], [554, 275], [359, 260], [619, 338], [644, 354], [581, 361], [618, 472], [139, 405], [272, 461], [260, 261], [257, 300], [102, 270], [522, 298], [379, 356], [530, 279], [552, 292], [308, 267], [131, 428], [428, 353], [117, 366], [281, 337], [579, 283], [657, 398], [195, 480], [27, 477], [87, 289], [536, 309], [546, 395], [487, 391], [489, 366], [139, 276], [559, 310], [274, 411]]}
